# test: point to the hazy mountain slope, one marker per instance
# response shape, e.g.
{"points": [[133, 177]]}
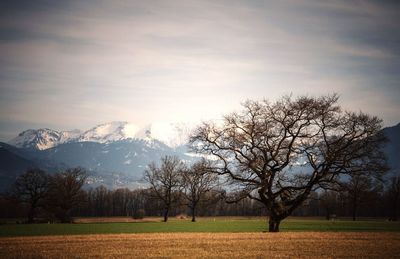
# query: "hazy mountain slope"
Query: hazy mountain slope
{"points": [[392, 148], [126, 156], [11, 165]]}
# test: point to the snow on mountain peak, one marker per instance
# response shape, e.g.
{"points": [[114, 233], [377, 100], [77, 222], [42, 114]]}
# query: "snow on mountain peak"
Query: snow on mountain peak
{"points": [[129, 130], [171, 134], [39, 139], [70, 135], [108, 132], [43, 138]]}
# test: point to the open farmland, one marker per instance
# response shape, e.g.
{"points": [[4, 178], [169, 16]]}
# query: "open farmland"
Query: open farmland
{"points": [[224, 237], [213, 225], [206, 245]]}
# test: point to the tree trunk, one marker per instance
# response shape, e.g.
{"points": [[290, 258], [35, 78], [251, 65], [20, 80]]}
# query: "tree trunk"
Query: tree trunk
{"points": [[354, 212], [273, 224], [193, 214], [328, 214], [31, 214], [166, 212], [64, 215], [395, 210]]}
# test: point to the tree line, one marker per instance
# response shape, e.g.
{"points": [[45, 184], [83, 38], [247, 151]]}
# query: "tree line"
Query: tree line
{"points": [[54, 197], [39, 197], [58, 197]]}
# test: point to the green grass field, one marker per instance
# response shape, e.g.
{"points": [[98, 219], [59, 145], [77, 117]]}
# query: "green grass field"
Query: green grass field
{"points": [[202, 225]]}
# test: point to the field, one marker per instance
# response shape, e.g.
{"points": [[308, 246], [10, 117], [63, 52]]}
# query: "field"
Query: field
{"points": [[212, 225], [220, 237], [206, 245]]}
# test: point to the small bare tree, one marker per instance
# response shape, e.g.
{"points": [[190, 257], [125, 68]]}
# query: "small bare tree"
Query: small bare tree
{"points": [[165, 181], [359, 189], [31, 188], [197, 181], [329, 201], [278, 153]]}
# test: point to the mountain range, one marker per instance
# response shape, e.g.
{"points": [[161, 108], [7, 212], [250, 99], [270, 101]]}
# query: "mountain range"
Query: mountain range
{"points": [[171, 134], [115, 154]]}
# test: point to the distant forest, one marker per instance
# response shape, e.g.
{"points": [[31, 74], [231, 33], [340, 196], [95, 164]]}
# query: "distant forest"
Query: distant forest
{"points": [[381, 201]]}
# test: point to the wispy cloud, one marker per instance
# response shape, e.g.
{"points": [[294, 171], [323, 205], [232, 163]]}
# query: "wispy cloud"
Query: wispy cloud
{"points": [[78, 63]]}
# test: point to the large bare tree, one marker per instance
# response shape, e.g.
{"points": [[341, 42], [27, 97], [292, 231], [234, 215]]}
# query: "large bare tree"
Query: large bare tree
{"points": [[278, 153], [165, 181], [197, 181]]}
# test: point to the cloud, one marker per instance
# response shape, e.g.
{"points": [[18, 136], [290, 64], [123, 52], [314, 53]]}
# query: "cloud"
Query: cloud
{"points": [[78, 63]]}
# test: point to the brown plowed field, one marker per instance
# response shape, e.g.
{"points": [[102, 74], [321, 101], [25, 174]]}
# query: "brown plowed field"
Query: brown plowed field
{"points": [[206, 245]]}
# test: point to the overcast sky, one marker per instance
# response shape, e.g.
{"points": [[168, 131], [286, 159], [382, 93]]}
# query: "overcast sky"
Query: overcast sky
{"points": [[76, 64]]}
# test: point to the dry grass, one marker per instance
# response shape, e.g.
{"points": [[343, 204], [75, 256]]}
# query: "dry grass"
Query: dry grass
{"points": [[206, 245]]}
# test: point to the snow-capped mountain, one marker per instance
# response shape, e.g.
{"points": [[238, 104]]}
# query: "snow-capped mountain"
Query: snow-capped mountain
{"points": [[68, 136], [171, 134], [43, 138], [115, 164], [109, 132]]}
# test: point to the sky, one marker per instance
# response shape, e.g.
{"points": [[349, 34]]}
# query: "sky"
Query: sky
{"points": [[76, 64]]}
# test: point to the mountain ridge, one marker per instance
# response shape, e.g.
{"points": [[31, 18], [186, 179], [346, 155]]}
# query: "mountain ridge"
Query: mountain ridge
{"points": [[170, 134]]}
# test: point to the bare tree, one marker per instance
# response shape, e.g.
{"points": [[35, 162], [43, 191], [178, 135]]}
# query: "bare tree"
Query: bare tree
{"points": [[121, 199], [31, 188], [197, 182], [359, 189], [329, 202], [165, 181], [66, 193], [278, 153], [102, 197]]}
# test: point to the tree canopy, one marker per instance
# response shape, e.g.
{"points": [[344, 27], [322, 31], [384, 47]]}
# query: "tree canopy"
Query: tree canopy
{"points": [[31, 188], [279, 152]]}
